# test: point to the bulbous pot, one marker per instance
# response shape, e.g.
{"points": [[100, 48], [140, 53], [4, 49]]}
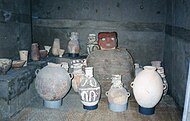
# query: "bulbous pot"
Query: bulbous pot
{"points": [[52, 82], [147, 87]]}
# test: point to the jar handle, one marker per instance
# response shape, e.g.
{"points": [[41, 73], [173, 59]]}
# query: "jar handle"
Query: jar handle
{"points": [[132, 84], [71, 75], [128, 94], [37, 71], [106, 93], [164, 86]]}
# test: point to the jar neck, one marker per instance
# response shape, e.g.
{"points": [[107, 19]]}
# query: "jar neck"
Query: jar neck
{"points": [[89, 72]]}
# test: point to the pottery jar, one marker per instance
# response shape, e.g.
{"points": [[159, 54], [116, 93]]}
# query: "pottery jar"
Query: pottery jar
{"points": [[78, 73], [117, 95], [56, 46], [35, 52], [52, 82], [148, 89], [89, 90]]}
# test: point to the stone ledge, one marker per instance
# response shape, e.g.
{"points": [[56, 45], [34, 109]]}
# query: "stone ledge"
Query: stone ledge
{"points": [[17, 89]]}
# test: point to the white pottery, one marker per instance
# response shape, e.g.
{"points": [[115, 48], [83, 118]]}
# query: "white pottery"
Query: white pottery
{"points": [[148, 87], [61, 52], [56, 47], [24, 56], [89, 90], [52, 82], [47, 48]]}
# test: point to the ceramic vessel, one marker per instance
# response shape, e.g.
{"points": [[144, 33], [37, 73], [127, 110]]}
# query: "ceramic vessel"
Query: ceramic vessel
{"points": [[160, 70], [73, 45], [156, 63], [89, 90], [137, 69], [52, 83], [78, 74], [148, 89], [61, 52], [18, 63], [47, 48], [117, 95], [24, 56], [35, 52], [56, 46], [107, 40], [43, 53], [5, 65]]}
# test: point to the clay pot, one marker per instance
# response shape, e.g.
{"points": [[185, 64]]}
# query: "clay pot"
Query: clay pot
{"points": [[43, 53], [56, 47], [24, 56], [5, 65], [52, 82], [117, 95], [35, 53], [148, 89], [89, 90]]}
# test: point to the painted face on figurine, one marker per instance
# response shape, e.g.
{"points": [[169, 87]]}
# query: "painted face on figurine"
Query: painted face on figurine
{"points": [[107, 40]]}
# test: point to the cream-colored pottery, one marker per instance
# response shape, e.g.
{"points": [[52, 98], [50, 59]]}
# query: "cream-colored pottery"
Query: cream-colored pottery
{"points": [[56, 47], [148, 87], [23, 56]]}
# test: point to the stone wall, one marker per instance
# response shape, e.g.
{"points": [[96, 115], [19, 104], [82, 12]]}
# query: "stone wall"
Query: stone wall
{"points": [[15, 27], [139, 24], [177, 48]]}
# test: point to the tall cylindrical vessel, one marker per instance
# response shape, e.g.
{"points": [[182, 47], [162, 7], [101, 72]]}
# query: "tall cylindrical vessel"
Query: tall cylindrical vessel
{"points": [[35, 52], [148, 89]]}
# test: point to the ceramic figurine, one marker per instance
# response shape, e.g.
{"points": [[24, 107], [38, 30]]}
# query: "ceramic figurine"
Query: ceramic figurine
{"points": [[73, 45], [92, 43]]}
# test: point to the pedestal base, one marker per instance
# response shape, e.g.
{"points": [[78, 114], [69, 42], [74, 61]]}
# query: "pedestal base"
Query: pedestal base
{"points": [[117, 107], [52, 104], [146, 111], [73, 55], [90, 107]]}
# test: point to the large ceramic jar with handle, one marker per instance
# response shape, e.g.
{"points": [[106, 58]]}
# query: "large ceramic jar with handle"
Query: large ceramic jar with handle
{"points": [[148, 89], [52, 83]]}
